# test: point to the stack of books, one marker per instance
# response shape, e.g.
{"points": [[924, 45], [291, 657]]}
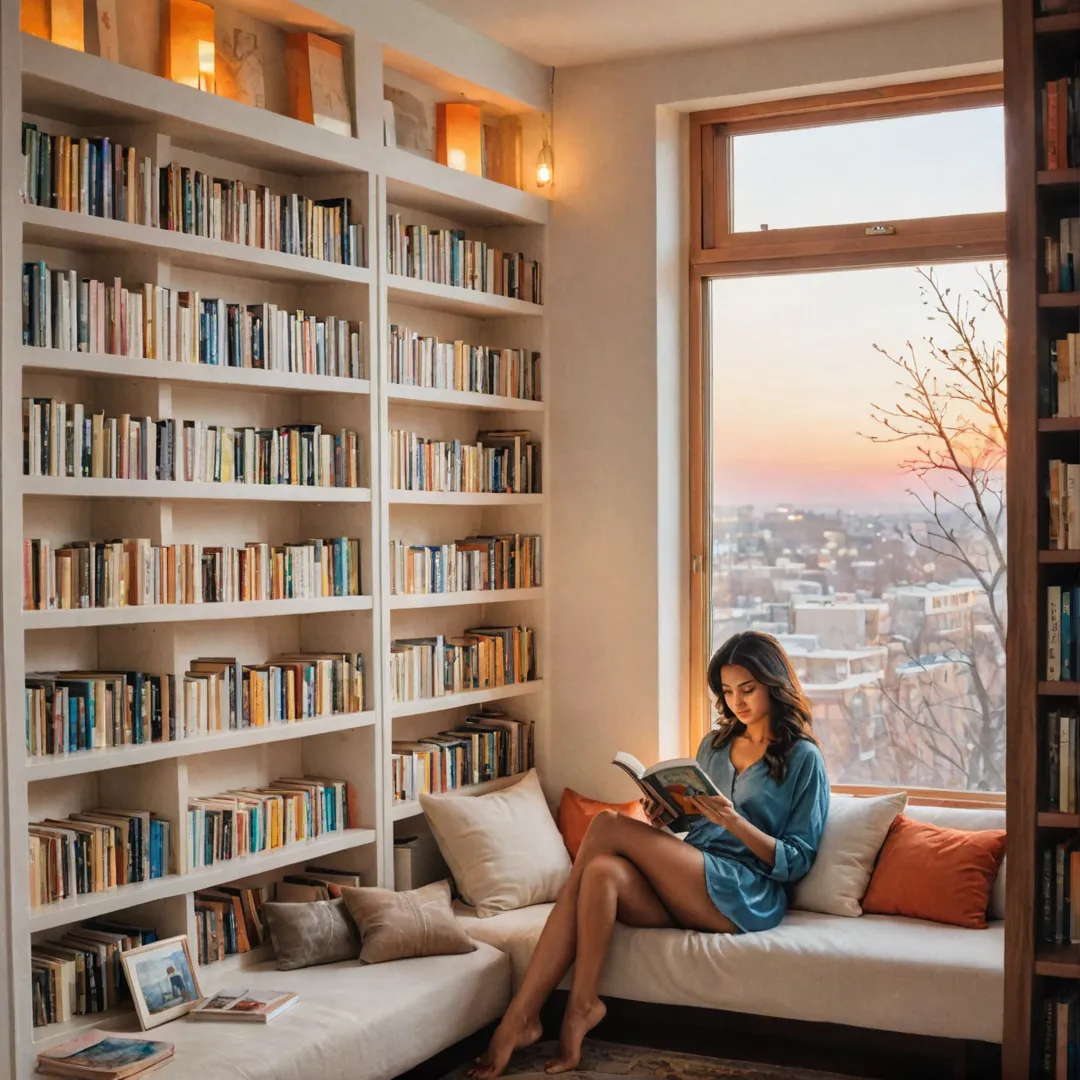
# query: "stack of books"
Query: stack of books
{"points": [[61, 439], [1060, 381], [503, 462], [251, 820], [1056, 1045], [1061, 256], [1061, 761], [80, 973], [229, 920], [129, 573], [95, 851], [475, 563], [64, 311], [1061, 122], [1059, 922], [422, 360], [488, 745], [100, 1055], [447, 257], [482, 658]]}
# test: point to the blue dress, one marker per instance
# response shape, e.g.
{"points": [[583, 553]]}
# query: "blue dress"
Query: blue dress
{"points": [[749, 892]]}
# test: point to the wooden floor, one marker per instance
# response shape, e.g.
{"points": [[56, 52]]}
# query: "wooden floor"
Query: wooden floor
{"points": [[857, 1052]]}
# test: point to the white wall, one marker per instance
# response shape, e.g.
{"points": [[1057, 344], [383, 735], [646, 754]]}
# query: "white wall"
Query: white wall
{"points": [[617, 297]]}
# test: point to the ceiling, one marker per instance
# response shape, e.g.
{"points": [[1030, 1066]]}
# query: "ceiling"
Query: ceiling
{"points": [[567, 32]]}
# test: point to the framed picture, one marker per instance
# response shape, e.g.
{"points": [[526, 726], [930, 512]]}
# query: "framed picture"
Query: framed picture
{"points": [[162, 980]]}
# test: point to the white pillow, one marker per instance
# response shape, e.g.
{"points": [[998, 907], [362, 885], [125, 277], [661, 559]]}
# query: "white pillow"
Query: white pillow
{"points": [[504, 848], [854, 832]]}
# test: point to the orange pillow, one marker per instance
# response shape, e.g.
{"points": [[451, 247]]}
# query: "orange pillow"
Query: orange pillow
{"points": [[929, 872], [576, 811]]}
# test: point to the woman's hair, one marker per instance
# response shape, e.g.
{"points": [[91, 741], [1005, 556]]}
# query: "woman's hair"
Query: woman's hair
{"points": [[791, 715]]}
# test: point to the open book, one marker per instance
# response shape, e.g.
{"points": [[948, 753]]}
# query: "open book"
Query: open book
{"points": [[251, 1006], [668, 783]]}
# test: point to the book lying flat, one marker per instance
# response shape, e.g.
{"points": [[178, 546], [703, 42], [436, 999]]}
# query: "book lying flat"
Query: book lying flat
{"points": [[249, 1006], [98, 1055], [668, 783]]}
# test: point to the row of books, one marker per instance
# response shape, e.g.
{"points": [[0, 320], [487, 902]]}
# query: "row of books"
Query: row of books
{"points": [[80, 973], [95, 851], [1061, 377], [475, 563], [1061, 255], [88, 710], [128, 573], [487, 746], [431, 667], [1061, 780], [251, 820], [505, 462], [101, 178], [65, 439], [1061, 122], [229, 920], [446, 257], [1062, 636], [1059, 900], [1063, 529], [422, 360], [61, 310], [1058, 1046]]}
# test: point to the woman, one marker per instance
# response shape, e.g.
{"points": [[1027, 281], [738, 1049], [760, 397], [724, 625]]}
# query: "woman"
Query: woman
{"points": [[744, 848]]}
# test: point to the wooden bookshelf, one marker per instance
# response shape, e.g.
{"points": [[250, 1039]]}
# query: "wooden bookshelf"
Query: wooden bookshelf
{"points": [[1037, 49], [75, 93]]}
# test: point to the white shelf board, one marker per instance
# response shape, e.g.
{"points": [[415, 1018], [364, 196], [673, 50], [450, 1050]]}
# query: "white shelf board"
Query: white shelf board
{"points": [[400, 601], [461, 498], [48, 767], [94, 905], [466, 700], [471, 302], [459, 399], [169, 490], [403, 810], [84, 90], [422, 184], [130, 367], [64, 229], [171, 613]]}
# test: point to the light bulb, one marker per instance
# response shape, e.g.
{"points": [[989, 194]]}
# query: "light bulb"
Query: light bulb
{"points": [[545, 166]]}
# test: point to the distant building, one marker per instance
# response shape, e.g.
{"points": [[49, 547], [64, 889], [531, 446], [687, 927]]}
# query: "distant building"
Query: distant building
{"points": [[837, 624]]}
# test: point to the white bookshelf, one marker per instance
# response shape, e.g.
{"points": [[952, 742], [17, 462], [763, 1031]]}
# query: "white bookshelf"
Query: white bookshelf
{"points": [[76, 93]]}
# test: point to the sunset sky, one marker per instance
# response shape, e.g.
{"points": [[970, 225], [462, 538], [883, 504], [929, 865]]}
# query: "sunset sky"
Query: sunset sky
{"points": [[794, 369]]}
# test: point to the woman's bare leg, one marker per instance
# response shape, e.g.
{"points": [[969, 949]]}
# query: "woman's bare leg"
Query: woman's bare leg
{"points": [[641, 882]]}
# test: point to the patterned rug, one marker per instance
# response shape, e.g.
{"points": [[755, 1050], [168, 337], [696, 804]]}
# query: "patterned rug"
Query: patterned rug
{"points": [[603, 1061]]}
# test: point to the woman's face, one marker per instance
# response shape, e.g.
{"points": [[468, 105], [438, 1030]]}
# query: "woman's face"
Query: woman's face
{"points": [[747, 698]]}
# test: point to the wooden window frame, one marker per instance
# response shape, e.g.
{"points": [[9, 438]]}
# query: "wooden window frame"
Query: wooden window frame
{"points": [[716, 251]]}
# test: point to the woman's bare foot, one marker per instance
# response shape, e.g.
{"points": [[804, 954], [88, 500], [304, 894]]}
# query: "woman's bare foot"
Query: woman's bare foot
{"points": [[513, 1033], [578, 1021]]}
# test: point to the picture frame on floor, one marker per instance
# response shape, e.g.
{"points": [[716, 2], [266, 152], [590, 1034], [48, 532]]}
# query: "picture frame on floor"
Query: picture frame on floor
{"points": [[162, 980]]}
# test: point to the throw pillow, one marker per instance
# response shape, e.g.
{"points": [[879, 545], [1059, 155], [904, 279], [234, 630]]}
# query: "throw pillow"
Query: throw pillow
{"points": [[503, 848], [577, 811], [930, 872], [854, 832], [308, 934], [400, 925]]}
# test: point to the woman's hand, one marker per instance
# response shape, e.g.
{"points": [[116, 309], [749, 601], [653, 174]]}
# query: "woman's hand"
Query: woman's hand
{"points": [[718, 809], [654, 812]]}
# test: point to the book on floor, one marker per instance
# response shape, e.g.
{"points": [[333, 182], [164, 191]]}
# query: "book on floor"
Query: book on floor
{"points": [[100, 1055], [668, 783], [248, 1006]]}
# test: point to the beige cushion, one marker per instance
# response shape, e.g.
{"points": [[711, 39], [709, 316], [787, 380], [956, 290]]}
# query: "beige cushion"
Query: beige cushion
{"points": [[308, 934], [503, 848], [402, 925], [352, 1022], [881, 972], [854, 832], [953, 817]]}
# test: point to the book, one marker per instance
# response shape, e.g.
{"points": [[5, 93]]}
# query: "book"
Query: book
{"points": [[476, 563], [99, 1055], [1060, 121], [246, 1006], [668, 783], [508, 464]]}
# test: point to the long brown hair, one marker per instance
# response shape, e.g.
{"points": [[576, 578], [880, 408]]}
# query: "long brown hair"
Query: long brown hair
{"points": [[791, 714]]}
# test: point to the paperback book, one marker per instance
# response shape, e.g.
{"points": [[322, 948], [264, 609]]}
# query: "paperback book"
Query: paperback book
{"points": [[245, 1006], [668, 783], [99, 1055]]}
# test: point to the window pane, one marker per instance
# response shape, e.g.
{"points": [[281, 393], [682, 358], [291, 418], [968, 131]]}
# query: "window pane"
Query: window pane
{"points": [[825, 528], [873, 170]]}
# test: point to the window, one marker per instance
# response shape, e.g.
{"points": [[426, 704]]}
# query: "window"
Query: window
{"points": [[849, 441]]}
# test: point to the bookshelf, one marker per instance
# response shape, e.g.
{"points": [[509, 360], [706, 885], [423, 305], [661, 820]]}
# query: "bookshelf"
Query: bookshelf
{"points": [[1038, 49], [74, 93]]}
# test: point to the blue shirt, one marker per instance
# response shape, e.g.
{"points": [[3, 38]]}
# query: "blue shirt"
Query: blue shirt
{"points": [[752, 894]]}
